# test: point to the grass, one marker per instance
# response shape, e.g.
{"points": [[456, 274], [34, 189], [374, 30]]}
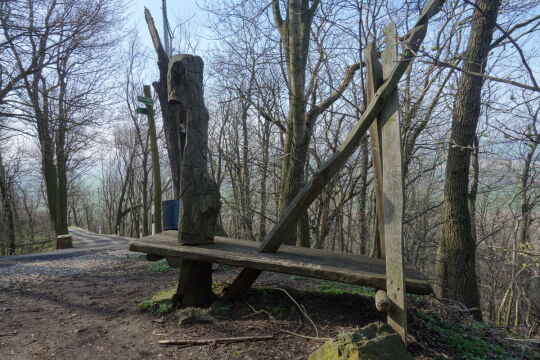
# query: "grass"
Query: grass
{"points": [[159, 266], [160, 303], [154, 307], [471, 341], [327, 287], [334, 288], [220, 308]]}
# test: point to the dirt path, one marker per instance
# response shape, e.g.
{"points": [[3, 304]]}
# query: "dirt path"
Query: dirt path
{"points": [[82, 305]]}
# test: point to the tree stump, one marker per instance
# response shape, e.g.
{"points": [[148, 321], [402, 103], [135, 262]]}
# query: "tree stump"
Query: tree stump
{"points": [[199, 195]]}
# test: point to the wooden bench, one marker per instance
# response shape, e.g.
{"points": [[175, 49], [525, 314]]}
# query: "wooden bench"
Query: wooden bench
{"points": [[199, 248], [346, 268]]}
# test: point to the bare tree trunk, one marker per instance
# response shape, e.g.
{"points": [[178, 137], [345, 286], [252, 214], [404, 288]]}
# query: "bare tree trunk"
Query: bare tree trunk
{"points": [[61, 155], [6, 200], [156, 172], [474, 186], [295, 33], [456, 255], [120, 213], [172, 116], [265, 148]]}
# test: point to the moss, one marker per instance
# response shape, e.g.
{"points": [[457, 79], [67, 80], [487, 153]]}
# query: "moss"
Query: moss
{"points": [[159, 266], [164, 296], [160, 303]]}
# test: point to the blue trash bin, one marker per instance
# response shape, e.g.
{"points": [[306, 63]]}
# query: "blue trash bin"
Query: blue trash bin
{"points": [[170, 214]]}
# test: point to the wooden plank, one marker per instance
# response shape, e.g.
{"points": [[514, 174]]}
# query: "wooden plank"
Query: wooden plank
{"points": [[374, 80], [393, 194], [321, 264], [324, 174]]}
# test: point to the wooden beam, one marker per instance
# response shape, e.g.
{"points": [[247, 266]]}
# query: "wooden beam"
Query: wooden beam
{"points": [[392, 167], [320, 264], [324, 174], [374, 80]]}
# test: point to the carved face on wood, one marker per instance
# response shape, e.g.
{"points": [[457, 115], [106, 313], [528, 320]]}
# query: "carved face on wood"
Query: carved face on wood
{"points": [[185, 79]]}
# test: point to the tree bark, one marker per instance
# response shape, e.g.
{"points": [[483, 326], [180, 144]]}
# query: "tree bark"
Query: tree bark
{"points": [[6, 201], [456, 255], [295, 33], [156, 172], [173, 126], [200, 199]]}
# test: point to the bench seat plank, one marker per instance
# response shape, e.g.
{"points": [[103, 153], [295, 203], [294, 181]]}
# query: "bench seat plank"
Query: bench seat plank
{"points": [[346, 268]]}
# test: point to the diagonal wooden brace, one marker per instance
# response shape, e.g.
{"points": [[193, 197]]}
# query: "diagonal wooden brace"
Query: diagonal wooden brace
{"points": [[325, 173]]}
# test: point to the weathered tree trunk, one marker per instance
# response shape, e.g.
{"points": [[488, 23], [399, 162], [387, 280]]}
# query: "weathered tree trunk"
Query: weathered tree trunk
{"points": [[120, 213], [456, 255], [264, 178], [6, 202], [475, 168], [156, 172], [295, 33], [61, 202], [172, 124], [200, 199]]}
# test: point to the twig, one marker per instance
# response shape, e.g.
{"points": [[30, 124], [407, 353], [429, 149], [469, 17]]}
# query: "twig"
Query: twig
{"points": [[11, 333], [302, 310], [214, 341], [305, 336], [255, 312]]}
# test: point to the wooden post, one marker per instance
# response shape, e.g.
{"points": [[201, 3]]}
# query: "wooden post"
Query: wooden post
{"points": [[393, 194], [324, 174], [374, 80], [200, 199]]}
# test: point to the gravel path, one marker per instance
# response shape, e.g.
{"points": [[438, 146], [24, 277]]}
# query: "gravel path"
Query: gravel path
{"points": [[91, 253]]}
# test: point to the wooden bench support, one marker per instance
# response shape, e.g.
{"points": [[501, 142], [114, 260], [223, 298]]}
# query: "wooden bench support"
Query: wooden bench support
{"points": [[241, 284], [194, 284]]}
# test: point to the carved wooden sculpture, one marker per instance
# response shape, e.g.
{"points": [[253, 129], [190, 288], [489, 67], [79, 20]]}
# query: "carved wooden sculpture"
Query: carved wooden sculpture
{"points": [[199, 195]]}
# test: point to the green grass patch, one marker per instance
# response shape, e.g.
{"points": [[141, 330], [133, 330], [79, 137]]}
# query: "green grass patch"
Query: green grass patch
{"points": [[471, 341], [335, 288], [159, 266], [154, 307], [160, 303]]}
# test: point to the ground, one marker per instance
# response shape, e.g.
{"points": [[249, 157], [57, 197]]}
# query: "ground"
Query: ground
{"points": [[86, 304]]}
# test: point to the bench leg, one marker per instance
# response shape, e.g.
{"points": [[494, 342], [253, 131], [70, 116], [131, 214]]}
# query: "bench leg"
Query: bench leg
{"points": [[241, 284], [194, 284]]}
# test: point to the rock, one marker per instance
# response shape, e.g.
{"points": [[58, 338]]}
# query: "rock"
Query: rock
{"points": [[377, 341], [194, 316]]}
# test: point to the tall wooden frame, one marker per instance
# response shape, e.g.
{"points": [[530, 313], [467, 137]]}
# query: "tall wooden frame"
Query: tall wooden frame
{"points": [[385, 104]]}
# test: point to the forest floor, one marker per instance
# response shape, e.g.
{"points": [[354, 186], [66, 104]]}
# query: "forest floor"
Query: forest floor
{"points": [[92, 309]]}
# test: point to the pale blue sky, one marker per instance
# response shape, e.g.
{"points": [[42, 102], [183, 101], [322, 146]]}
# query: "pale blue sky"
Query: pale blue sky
{"points": [[177, 11]]}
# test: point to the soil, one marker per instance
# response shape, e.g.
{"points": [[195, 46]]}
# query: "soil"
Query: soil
{"points": [[94, 315]]}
